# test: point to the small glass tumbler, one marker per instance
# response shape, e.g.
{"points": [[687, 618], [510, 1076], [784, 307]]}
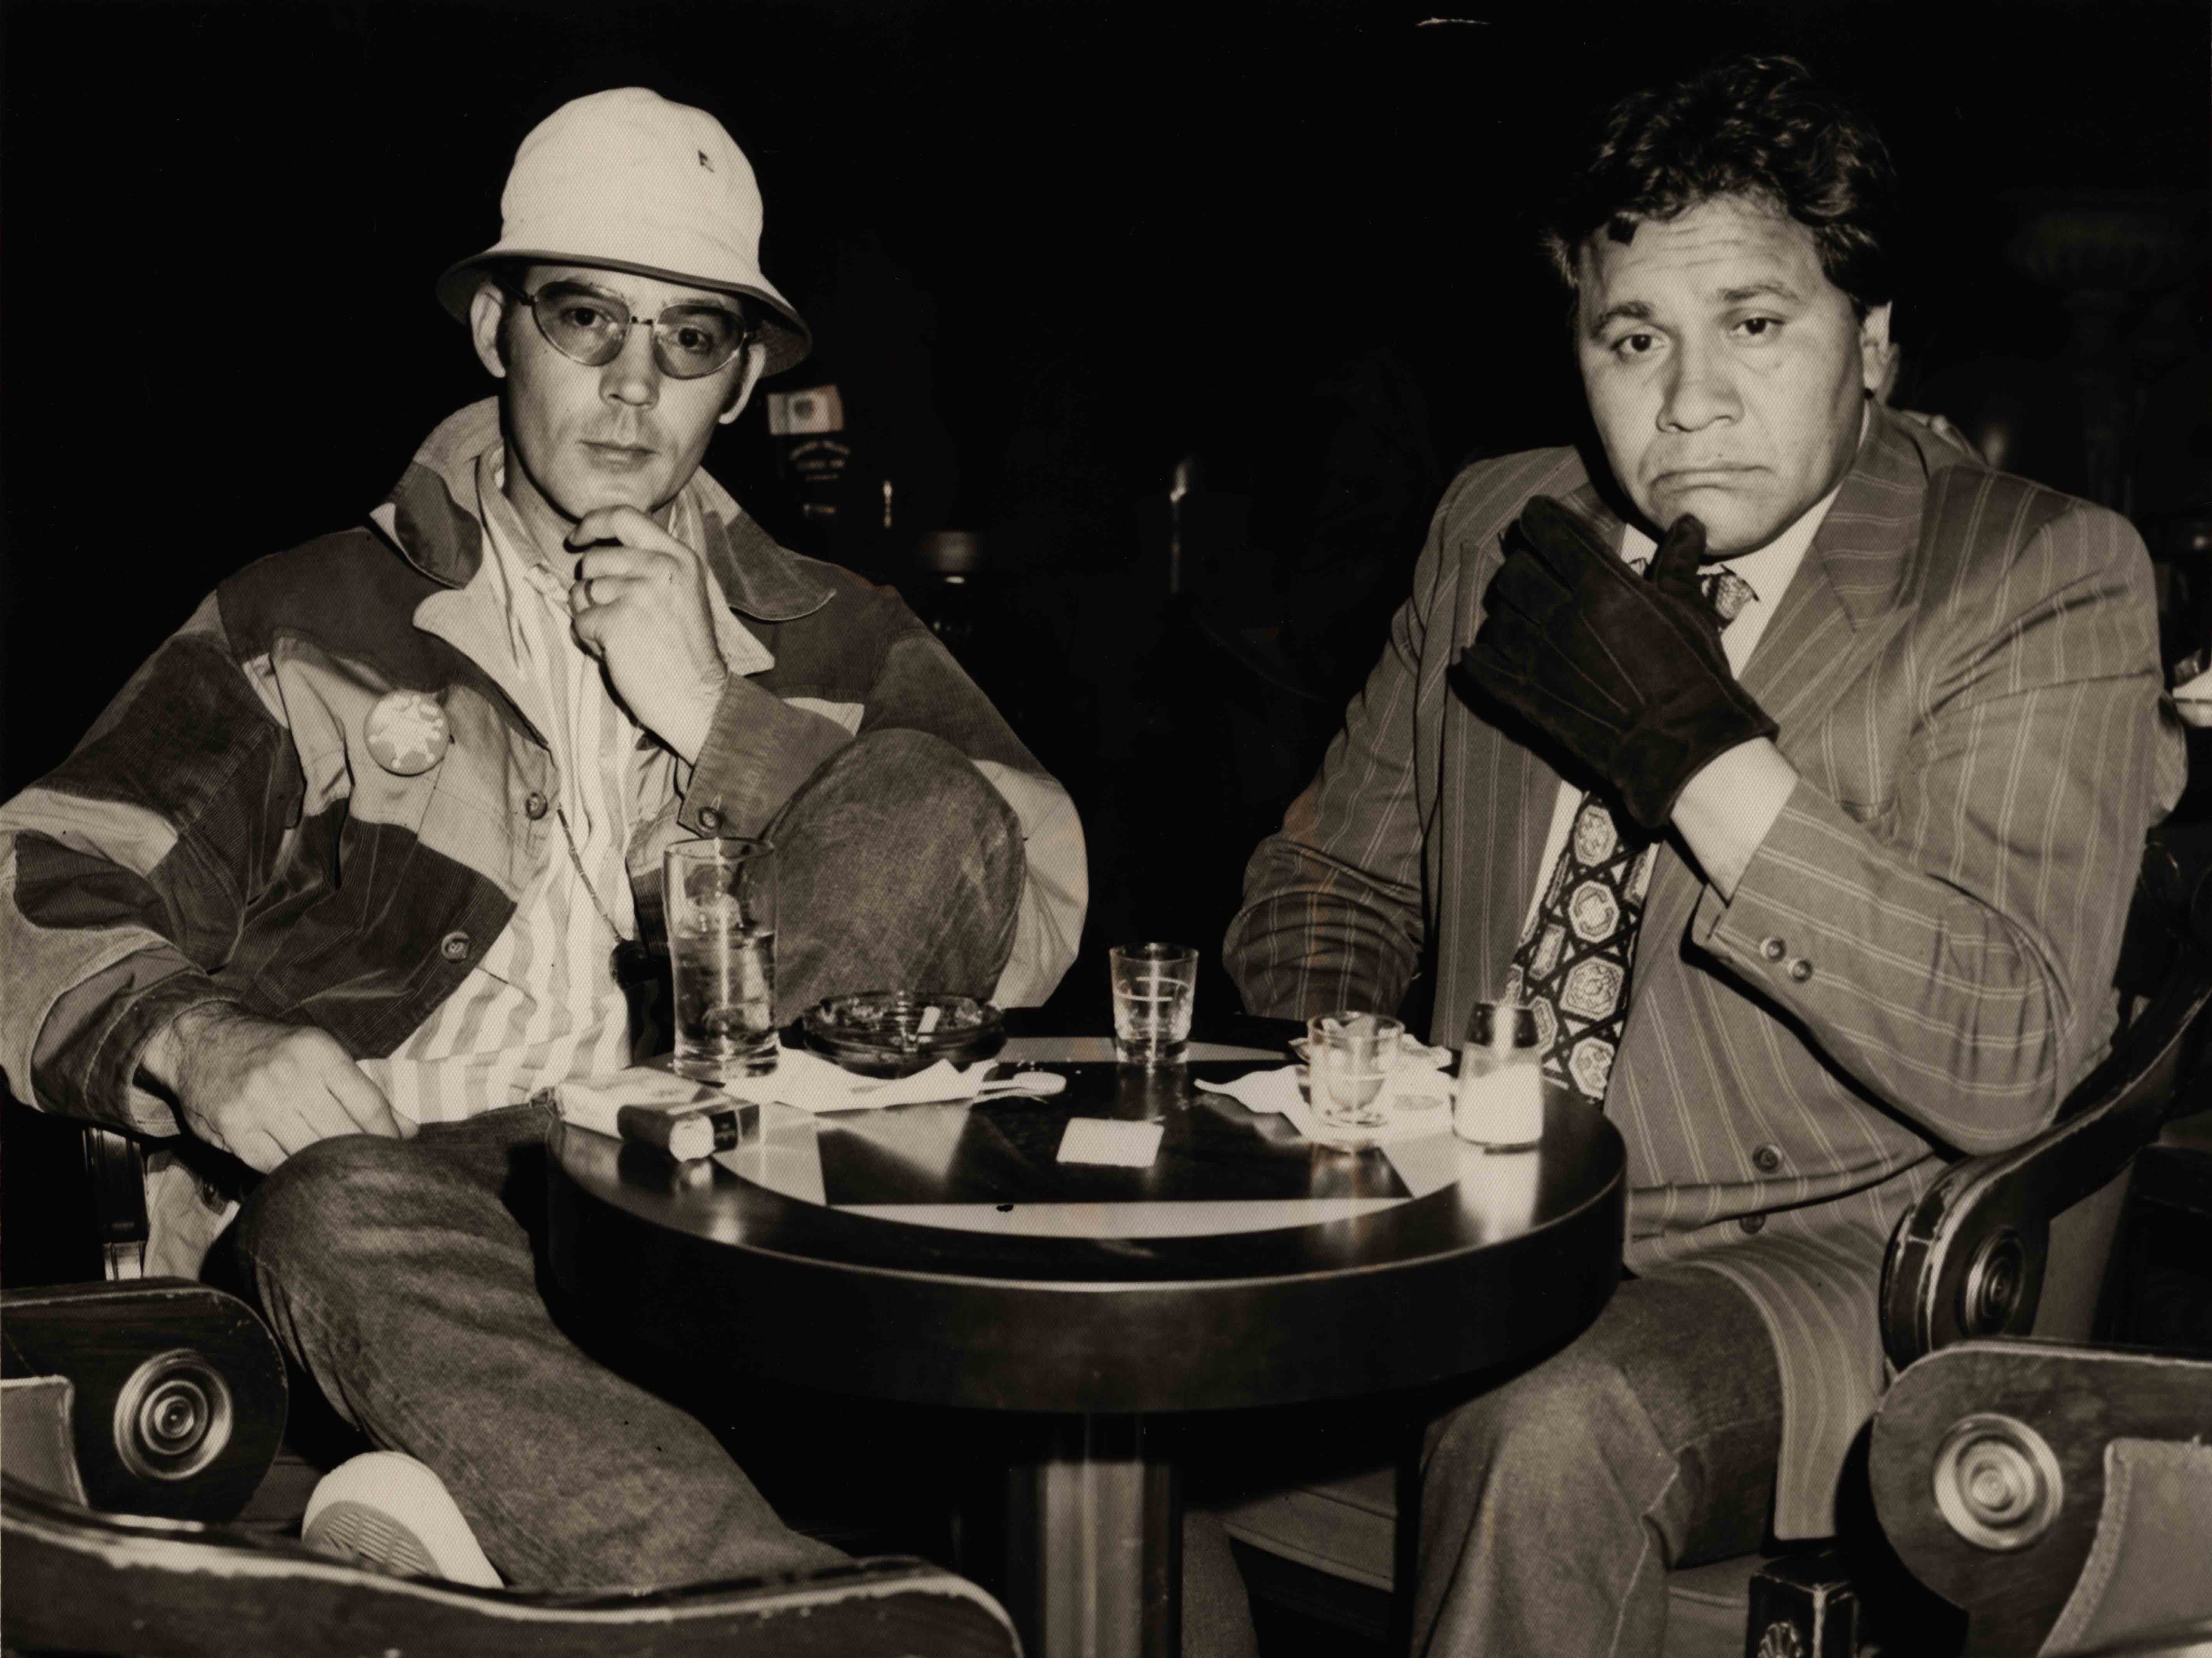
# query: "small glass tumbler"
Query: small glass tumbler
{"points": [[1349, 1056], [1501, 1078], [720, 901], [1153, 986]]}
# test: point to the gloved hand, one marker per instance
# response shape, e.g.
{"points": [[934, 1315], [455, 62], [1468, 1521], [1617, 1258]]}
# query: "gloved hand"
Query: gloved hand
{"points": [[1625, 671]]}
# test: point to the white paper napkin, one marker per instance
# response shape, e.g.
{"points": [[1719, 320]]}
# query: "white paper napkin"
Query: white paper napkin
{"points": [[813, 1084], [1261, 1090], [802, 1080], [1417, 1097]]}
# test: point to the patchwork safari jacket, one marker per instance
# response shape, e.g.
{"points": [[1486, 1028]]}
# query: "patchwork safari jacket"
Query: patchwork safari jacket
{"points": [[223, 833]]}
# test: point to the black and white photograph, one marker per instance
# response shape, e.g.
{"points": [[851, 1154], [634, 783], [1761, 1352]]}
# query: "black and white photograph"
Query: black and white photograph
{"points": [[941, 827]]}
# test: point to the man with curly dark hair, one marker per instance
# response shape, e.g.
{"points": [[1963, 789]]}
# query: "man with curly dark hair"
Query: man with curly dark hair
{"points": [[1793, 767]]}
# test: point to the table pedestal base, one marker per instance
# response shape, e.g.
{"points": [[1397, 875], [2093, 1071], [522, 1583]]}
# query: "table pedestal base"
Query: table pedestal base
{"points": [[1095, 1543]]}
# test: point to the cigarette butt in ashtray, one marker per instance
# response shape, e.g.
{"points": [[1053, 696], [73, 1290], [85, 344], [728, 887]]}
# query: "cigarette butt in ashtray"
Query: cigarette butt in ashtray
{"points": [[683, 1131]]}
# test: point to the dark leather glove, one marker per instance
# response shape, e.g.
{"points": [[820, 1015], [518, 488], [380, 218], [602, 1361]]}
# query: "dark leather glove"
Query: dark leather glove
{"points": [[1625, 671]]}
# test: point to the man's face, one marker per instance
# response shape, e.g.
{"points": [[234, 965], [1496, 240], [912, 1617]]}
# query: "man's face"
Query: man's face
{"points": [[624, 434], [1726, 372]]}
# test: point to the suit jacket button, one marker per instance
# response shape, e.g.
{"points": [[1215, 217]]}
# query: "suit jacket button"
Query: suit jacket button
{"points": [[1799, 969], [1768, 1158], [709, 819], [533, 805], [454, 946], [1772, 949], [1752, 1223]]}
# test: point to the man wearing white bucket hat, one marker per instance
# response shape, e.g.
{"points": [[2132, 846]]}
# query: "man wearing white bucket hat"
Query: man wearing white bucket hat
{"points": [[365, 859]]}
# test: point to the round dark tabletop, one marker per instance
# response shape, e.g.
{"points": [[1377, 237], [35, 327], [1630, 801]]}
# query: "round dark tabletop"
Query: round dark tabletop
{"points": [[947, 1255]]}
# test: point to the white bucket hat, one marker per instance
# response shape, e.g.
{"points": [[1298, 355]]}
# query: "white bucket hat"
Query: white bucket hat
{"points": [[627, 180]]}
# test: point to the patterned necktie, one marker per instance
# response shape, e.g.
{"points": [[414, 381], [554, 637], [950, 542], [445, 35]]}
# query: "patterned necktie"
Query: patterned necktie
{"points": [[1572, 964]]}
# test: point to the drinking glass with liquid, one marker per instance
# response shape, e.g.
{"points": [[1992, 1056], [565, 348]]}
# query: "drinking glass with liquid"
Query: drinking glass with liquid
{"points": [[720, 900], [1349, 1058], [1153, 985]]}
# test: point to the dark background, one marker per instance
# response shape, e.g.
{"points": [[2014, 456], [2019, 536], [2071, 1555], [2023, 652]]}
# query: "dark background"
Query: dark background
{"points": [[1048, 251]]}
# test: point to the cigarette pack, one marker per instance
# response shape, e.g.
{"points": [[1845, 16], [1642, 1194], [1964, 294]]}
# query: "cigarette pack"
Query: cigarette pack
{"points": [[684, 1119], [683, 1131]]}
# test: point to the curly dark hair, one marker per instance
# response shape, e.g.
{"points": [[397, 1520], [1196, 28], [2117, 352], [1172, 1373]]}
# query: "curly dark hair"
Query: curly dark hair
{"points": [[1754, 127]]}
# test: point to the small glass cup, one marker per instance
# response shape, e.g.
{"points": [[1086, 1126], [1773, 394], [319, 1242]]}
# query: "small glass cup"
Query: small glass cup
{"points": [[1349, 1056], [1501, 1078], [720, 900], [1153, 986]]}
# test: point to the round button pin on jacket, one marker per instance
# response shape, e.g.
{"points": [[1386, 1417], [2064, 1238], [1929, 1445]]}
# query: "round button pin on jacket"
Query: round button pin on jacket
{"points": [[407, 734]]}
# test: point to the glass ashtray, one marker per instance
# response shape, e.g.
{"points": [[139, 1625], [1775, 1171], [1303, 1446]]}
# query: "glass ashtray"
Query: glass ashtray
{"points": [[895, 1033]]}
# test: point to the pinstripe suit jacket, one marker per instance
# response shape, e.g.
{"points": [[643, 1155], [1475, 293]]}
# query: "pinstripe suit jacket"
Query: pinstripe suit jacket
{"points": [[1964, 671]]}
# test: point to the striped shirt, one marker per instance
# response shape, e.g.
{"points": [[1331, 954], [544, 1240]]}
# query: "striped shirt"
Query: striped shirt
{"points": [[543, 1006]]}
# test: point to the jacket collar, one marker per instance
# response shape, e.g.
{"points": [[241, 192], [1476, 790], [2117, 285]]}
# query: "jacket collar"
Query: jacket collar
{"points": [[429, 517], [1864, 547], [1866, 544]]}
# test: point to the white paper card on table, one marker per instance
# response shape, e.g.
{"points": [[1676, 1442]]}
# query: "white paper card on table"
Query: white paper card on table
{"points": [[1108, 1140]]}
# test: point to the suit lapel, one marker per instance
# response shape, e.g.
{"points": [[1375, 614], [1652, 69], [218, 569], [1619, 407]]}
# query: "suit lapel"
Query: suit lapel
{"points": [[1850, 575], [1821, 635], [1522, 791], [1491, 856], [1538, 785]]}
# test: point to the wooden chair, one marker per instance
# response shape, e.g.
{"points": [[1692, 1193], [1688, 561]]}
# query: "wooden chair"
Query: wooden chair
{"points": [[2010, 1244], [2002, 1469], [164, 1399]]}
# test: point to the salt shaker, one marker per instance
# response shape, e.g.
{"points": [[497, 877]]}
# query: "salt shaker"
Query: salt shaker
{"points": [[1501, 1078]]}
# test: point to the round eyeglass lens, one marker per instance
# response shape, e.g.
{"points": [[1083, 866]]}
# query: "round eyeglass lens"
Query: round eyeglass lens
{"points": [[579, 323], [688, 341], [691, 340]]}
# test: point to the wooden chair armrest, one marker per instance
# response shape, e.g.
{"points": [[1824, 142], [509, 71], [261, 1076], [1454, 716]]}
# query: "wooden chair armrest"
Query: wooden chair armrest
{"points": [[179, 1392], [1968, 1259], [2193, 1640], [80, 1582], [1987, 1464]]}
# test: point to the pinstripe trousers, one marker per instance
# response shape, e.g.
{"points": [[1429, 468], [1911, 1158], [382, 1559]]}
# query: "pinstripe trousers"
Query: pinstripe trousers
{"points": [[1553, 1507]]}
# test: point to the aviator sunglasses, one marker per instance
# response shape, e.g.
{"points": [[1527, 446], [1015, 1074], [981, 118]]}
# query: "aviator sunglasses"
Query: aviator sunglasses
{"points": [[590, 326]]}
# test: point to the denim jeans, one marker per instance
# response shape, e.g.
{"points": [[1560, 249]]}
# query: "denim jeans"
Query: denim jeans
{"points": [[404, 1275], [897, 864], [1554, 1506]]}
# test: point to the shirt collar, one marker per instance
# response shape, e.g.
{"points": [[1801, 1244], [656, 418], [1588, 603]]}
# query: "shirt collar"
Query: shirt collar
{"points": [[515, 555], [1769, 569], [431, 517], [518, 559]]}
